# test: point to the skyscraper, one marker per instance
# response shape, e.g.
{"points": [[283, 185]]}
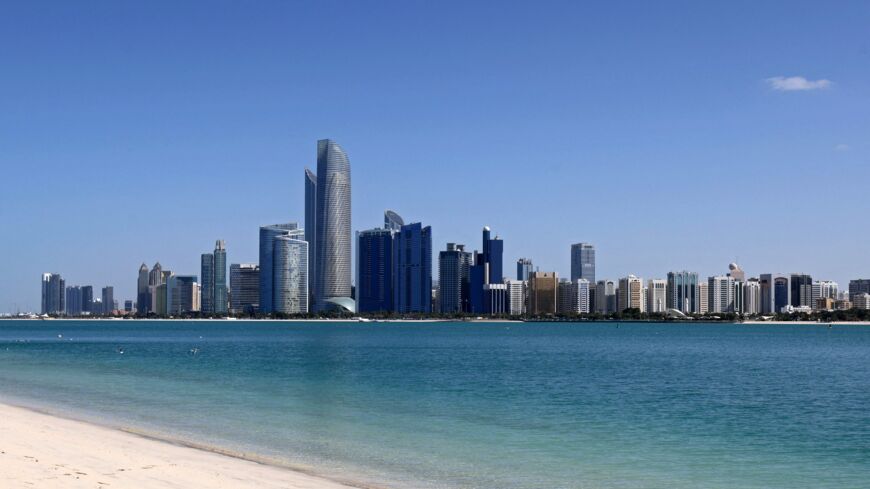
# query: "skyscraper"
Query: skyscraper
{"points": [[206, 270], [73, 300], [393, 221], [376, 270], [311, 230], [543, 287], [487, 269], [453, 274], [524, 268], [108, 299], [775, 292], [290, 269], [142, 295], [858, 286], [683, 293], [413, 290], [801, 290], [630, 294], [220, 277], [182, 294], [332, 237], [245, 288], [720, 294], [88, 299], [583, 262], [657, 298], [605, 297], [516, 293], [751, 296], [268, 234], [53, 294]]}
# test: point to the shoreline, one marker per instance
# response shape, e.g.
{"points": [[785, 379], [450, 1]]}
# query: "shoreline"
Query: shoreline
{"points": [[39, 448]]}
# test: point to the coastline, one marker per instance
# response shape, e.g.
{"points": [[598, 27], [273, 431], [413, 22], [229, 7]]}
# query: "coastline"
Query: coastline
{"points": [[40, 449]]}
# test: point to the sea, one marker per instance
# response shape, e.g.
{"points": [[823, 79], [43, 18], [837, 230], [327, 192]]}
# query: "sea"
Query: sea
{"points": [[473, 405]]}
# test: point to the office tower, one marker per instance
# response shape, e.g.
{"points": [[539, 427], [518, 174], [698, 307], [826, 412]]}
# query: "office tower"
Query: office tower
{"points": [[801, 290], [573, 296], [752, 297], [736, 272], [454, 266], [245, 288], [720, 290], [182, 294], [332, 270], [268, 234], [487, 269], [413, 290], [393, 221], [142, 295], [683, 293], [220, 277], [516, 297], [73, 300], [861, 301], [605, 297], [495, 298], [738, 297], [775, 292], [156, 275], [128, 306], [108, 299], [657, 295], [311, 228], [703, 297], [543, 290], [206, 269], [53, 294], [290, 269], [828, 289], [87, 299], [858, 286], [630, 294], [524, 268], [375, 270], [583, 262]]}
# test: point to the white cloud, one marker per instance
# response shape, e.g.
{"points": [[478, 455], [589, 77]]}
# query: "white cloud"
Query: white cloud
{"points": [[794, 83], [842, 147]]}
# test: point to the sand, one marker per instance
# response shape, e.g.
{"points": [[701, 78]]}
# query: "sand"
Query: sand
{"points": [[42, 451]]}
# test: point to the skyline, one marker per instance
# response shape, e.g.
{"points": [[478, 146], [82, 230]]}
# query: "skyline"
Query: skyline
{"points": [[770, 147]]}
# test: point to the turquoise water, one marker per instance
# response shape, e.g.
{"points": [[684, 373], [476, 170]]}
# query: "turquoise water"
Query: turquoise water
{"points": [[591, 405]]}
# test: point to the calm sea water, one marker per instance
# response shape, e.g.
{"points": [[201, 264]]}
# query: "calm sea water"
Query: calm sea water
{"points": [[593, 405]]}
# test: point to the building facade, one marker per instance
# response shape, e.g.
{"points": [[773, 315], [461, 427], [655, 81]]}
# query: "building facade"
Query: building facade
{"points": [[683, 293], [53, 294], [413, 291], [543, 290], [657, 295], [375, 270], [245, 288], [583, 262], [290, 273], [332, 237], [630, 294], [454, 265], [268, 235]]}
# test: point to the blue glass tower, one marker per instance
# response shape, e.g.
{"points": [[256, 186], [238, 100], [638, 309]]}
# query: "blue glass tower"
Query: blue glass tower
{"points": [[487, 269], [413, 290], [375, 270]]}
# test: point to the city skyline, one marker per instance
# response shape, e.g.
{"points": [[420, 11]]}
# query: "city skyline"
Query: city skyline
{"points": [[642, 111]]}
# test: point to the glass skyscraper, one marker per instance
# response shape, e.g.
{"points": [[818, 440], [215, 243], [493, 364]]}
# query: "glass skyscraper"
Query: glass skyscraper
{"points": [[332, 237], [414, 269], [290, 269], [375, 270], [311, 228], [487, 269], [244, 288], [53, 294], [453, 278], [683, 292], [583, 262], [206, 269], [524, 268], [267, 246]]}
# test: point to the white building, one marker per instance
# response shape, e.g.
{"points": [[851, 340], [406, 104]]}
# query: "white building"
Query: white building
{"points": [[752, 297], [657, 295], [516, 297], [720, 290]]}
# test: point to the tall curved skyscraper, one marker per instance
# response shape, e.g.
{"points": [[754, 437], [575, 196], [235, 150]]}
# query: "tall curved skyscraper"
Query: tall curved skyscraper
{"points": [[332, 239]]}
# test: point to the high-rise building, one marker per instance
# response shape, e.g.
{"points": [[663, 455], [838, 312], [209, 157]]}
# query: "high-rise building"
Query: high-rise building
{"points": [[453, 279], [495, 298], [543, 290], [268, 234], [703, 297], [393, 221], [573, 296], [827, 289], [73, 300], [142, 295], [375, 270], [524, 268], [858, 286], [775, 292], [516, 294], [182, 294], [206, 269], [583, 262], [683, 293], [720, 290], [53, 294], [87, 299], [413, 291], [801, 290], [605, 297], [108, 299], [290, 273], [630, 294], [245, 288], [311, 229], [487, 269], [332, 270], [751, 297], [657, 295], [861, 301], [213, 268]]}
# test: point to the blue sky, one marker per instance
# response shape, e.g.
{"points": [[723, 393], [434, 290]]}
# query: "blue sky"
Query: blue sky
{"points": [[658, 131]]}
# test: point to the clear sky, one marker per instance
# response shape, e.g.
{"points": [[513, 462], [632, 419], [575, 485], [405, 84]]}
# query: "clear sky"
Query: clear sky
{"points": [[672, 135]]}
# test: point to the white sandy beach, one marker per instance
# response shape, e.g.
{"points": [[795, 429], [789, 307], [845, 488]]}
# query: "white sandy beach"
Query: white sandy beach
{"points": [[46, 452]]}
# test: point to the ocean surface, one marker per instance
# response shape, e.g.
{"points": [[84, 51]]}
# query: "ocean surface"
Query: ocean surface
{"points": [[495, 405]]}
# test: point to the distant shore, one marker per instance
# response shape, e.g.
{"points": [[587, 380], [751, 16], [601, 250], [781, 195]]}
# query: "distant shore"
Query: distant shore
{"points": [[51, 452]]}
